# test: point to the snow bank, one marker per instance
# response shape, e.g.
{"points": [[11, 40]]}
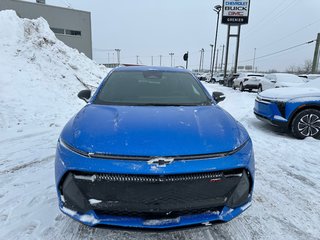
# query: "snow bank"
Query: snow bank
{"points": [[12, 29], [39, 72]]}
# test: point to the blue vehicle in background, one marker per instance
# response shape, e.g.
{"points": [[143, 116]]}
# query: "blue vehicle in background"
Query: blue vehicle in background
{"points": [[152, 149], [296, 109]]}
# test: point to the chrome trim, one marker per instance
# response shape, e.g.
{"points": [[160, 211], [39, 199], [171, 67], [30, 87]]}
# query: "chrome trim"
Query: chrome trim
{"points": [[112, 177]]}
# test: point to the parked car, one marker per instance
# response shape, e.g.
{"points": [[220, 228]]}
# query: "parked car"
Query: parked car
{"points": [[217, 77], [202, 76], [247, 81], [152, 149], [228, 81], [296, 109], [308, 77], [278, 80]]}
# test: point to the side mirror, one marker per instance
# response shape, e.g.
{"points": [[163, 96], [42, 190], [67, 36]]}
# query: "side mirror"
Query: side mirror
{"points": [[85, 95], [218, 96]]}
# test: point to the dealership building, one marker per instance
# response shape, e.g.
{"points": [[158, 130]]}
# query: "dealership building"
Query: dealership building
{"points": [[73, 27]]}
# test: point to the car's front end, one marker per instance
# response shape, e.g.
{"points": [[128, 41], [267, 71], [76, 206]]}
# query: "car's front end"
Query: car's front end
{"points": [[136, 193], [280, 106], [272, 111], [153, 165]]}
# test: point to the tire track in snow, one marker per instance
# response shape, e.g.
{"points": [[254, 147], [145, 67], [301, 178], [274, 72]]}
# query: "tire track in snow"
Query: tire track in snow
{"points": [[10, 140], [26, 165]]}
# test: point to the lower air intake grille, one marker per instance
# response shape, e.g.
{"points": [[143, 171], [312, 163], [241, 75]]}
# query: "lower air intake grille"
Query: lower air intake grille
{"points": [[153, 195]]}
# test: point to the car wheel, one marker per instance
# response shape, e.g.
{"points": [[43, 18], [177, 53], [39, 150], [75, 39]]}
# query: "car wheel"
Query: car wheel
{"points": [[260, 88], [306, 124], [234, 87], [241, 88]]}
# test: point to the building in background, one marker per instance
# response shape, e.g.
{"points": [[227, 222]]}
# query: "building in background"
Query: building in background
{"points": [[73, 27]]}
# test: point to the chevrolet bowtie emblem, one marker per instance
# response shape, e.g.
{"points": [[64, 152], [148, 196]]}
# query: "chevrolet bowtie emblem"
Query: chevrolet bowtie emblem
{"points": [[161, 162]]}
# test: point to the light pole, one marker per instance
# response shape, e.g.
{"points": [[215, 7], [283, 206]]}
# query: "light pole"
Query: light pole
{"points": [[118, 55], [211, 45], [254, 60], [217, 9], [201, 60], [171, 55], [222, 57], [217, 60]]}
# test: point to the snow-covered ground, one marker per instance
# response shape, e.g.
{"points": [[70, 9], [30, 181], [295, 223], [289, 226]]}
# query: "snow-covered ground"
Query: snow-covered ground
{"points": [[39, 80]]}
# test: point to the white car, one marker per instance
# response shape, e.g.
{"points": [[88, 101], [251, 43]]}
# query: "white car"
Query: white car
{"points": [[314, 83], [216, 77], [308, 77], [201, 76], [279, 80], [247, 81]]}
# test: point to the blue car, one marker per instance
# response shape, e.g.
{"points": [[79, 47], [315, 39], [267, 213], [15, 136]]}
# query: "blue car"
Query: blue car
{"points": [[152, 149], [292, 109]]}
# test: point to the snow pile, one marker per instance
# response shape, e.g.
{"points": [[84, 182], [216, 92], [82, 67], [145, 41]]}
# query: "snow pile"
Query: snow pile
{"points": [[38, 73]]}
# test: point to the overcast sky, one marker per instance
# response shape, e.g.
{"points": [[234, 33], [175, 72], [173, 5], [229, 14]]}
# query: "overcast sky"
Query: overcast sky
{"points": [[151, 28]]}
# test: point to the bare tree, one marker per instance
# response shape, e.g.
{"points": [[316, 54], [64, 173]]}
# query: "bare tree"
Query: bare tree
{"points": [[272, 71], [307, 66], [291, 69], [301, 69]]}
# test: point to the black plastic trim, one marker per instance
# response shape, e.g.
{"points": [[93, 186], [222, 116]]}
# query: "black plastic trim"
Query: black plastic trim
{"points": [[282, 108], [283, 125], [147, 158]]}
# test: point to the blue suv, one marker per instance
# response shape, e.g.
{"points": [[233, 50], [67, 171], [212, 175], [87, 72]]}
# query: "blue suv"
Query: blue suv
{"points": [[152, 149], [293, 109]]}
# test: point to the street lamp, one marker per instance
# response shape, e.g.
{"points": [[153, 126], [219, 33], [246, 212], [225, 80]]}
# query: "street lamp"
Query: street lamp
{"points": [[217, 9], [254, 60], [171, 55], [211, 45], [118, 55]]}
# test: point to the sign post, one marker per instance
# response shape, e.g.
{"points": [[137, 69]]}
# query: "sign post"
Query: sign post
{"points": [[234, 13]]}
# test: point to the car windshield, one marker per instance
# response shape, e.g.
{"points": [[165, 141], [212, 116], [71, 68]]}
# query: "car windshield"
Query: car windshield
{"points": [[151, 88]]}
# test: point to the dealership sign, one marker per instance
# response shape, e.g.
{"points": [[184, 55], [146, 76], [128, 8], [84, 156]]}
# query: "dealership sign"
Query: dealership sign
{"points": [[235, 11]]}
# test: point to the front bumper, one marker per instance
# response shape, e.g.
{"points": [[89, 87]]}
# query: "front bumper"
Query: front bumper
{"points": [[88, 190], [271, 112]]}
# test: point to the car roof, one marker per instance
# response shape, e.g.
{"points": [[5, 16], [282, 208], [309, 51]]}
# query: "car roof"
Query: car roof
{"points": [[149, 68]]}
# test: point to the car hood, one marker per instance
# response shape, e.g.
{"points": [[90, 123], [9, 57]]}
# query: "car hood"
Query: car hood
{"points": [[288, 84], [289, 93], [153, 131]]}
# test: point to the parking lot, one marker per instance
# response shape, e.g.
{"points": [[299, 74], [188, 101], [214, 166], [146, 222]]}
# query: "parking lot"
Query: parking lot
{"points": [[286, 196]]}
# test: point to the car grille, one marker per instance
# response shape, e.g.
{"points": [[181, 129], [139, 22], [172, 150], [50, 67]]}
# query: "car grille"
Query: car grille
{"points": [[153, 195], [156, 178]]}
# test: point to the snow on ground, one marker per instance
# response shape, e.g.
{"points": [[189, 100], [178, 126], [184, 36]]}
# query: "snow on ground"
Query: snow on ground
{"points": [[38, 86]]}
